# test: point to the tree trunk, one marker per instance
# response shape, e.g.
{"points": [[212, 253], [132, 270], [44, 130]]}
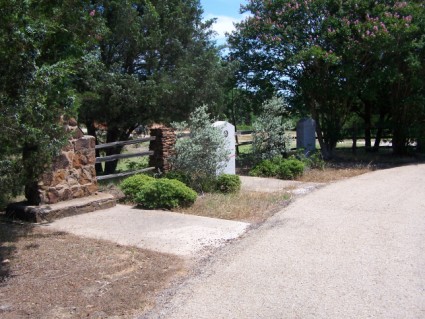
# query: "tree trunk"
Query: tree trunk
{"points": [[368, 125], [114, 135], [354, 138], [325, 148], [399, 141], [31, 183], [378, 136]]}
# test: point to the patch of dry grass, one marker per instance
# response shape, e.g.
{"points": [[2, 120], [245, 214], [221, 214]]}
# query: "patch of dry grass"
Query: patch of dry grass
{"points": [[251, 207], [46, 274], [332, 174]]}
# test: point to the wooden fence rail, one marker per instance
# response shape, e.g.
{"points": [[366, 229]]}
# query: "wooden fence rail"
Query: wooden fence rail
{"points": [[124, 156]]}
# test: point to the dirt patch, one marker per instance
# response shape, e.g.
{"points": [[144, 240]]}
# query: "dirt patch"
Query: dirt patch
{"points": [[46, 274]]}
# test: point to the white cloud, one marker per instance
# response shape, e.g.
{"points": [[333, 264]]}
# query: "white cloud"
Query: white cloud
{"points": [[224, 24]]}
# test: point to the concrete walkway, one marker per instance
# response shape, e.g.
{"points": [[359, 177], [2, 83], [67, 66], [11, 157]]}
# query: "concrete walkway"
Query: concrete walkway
{"points": [[352, 249], [168, 232], [163, 231]]}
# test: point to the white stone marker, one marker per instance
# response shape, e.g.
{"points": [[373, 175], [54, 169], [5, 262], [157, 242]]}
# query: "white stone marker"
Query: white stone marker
{"points": [[306, 134], [229, 133]]}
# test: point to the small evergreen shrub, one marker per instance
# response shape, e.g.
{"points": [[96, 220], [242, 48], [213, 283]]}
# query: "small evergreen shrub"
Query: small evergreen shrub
{"points": [[280, 168], [178, 175], [227, 183], [165, 193], [269, 138], [313, 159], [290, 169], [266, 168], [131, 186]]}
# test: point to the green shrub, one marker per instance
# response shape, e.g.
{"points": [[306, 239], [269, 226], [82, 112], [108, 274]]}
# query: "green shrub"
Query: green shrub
{"points": [[279, 167], [290, 169], [203, 153], [201, 183], [227, 183], [269, 130], [178, 175], [313, 159], [165, 193], [131, 186], [266, 168]]}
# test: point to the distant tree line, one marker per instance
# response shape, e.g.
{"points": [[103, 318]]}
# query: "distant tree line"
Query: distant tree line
{"points": [[337, 61]]}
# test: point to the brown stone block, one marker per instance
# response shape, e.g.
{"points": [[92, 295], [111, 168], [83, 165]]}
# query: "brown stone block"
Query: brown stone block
{"points": [[72, 180], [77, 192], [86, 142], [86, 176], [59, 177], [72, 122], [68, 147], [90, 189], [47, 178], [91, 157], [64, 194], [52, 196], [76, 132], [61, 162], [79, 161]]}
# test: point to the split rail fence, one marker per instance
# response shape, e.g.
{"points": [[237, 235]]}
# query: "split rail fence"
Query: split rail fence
{"points": [[115, 157]]}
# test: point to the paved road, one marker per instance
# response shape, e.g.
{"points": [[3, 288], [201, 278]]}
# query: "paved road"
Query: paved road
{"points": [[353, 249]]}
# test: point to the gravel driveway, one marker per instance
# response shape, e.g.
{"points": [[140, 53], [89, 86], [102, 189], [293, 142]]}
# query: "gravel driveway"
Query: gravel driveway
{"points": [[352, 249]]}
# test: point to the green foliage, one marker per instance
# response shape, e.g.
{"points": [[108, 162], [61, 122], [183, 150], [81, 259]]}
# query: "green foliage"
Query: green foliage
{"points": [[266, 168], [269, 135], [279, 167], [333, 58], [165, 193], [131, 186], [203, 154], [313, 160], [42, 42], [155, 63], [290, 169], [227, 183]]}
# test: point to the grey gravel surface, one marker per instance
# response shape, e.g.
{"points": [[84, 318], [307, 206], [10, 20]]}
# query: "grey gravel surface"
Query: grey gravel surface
{"points": [[352, 249]]}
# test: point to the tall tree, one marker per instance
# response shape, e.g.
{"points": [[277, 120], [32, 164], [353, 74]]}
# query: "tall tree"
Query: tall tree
{"points": [[156, 63], [41, 42], [334, 57]]}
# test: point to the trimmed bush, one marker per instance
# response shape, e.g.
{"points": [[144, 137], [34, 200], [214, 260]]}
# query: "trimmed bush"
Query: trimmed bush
{"points": [[227, 183], [131, 186], [290, 169], [266, 168], [165, 193], [178, 175], [279, 167]]}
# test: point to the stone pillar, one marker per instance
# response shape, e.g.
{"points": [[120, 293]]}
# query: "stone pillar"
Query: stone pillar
{"points": [[72, 174], [163, 148], [229, 134], [306, 135]]}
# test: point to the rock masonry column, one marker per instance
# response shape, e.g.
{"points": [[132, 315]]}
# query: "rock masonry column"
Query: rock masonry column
{"points": [[73, 173], [163, 148]]}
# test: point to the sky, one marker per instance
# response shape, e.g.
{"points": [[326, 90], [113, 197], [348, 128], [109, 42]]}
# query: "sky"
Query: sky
{"points": [[226, 12]]}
